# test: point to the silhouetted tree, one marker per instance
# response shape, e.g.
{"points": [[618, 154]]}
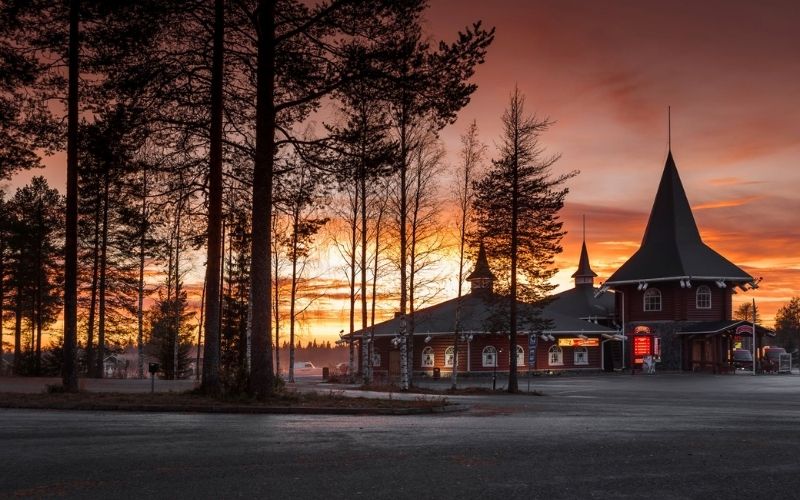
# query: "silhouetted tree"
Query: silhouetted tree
{"points": [[516, 211], [35, 243], [787, 325]]}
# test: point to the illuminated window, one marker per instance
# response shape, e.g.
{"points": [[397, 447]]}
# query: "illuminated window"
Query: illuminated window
{"points": [[376, 359], [489, 356], [427, 357], [520, 356], [581, 356], [703, 298], [652, 299], [555, 356], [448, 357]]}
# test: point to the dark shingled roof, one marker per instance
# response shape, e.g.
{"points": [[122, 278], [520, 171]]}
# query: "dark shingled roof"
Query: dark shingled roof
{"points": [[476, 311], [719, 326], [580, 302], [584, 269], [481, 270], [672, 246]]}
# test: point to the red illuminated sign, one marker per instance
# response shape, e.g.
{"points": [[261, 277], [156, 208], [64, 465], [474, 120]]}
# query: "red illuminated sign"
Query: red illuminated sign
{"points": [[642, 345]]}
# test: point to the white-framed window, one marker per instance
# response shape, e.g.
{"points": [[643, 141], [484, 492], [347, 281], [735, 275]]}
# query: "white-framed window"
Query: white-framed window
{"points": [[555, 356], [427, 357], [376, 358], [449, 356], [520, 356], [489, 356], [581, 356], [652, 299], [703, 297]]}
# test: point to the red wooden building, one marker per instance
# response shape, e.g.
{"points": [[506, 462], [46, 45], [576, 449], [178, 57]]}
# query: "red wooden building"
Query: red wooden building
{"points": [[578, 337], [673, 297]]}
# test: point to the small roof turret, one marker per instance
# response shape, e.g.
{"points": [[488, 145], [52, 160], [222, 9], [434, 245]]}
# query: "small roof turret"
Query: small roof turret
{"points": [[584, 275], [481, 278]]}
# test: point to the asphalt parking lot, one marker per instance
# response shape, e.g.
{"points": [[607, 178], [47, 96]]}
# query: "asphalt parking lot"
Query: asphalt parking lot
{"points": [[617, 436]]}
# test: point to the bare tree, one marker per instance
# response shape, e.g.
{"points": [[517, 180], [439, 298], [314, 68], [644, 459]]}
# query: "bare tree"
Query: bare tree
{"points": [[471, 155]]}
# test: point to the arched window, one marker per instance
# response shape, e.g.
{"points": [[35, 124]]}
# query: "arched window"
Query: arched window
{"points": [[489, 356], [427, 357], [703, 297], [520, 356], [581, 356], [448, 357], [555, 356], [376, 358], [652, 299]]}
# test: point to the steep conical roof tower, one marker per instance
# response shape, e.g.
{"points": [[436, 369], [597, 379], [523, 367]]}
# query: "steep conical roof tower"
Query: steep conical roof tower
{"points": [[481, 278], [584, 275], [672, 247]]}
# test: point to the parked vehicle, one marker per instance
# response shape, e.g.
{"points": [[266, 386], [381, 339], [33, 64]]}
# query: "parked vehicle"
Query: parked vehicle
{"points": [[772, 357], [304, 365], [742, 358]]}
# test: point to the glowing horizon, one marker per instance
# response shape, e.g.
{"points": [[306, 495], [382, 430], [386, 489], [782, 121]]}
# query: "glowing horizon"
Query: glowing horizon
{"points": [[606, 74]]}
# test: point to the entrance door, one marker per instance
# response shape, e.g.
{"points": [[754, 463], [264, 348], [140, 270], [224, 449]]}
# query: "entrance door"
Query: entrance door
{"points": [[394, 363]]}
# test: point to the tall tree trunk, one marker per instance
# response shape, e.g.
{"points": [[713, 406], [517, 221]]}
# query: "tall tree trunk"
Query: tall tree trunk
{"points": [[140, 289], [512, 338], [101, 327], [2, 289], [37, 310], [212, 299], [200, 332], [293, 292], [406, 344], [353, 234], [90, 363], [262, 377], [365, 344], [18, 332], [69, 375], [378, 222], [176, 308], [276, 301]]}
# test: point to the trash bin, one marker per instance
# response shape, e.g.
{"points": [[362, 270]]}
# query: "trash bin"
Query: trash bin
{"points": [[326, 373], [437, 373]]}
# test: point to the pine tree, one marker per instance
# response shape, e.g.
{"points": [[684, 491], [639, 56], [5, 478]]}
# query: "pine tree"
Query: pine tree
{"points": [[35, 239], [516, 213]]}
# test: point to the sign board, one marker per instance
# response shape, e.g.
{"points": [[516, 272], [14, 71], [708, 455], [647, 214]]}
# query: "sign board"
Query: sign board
{"points": [[642, 346], [641, 330], [744, 330], [532, 341], [578, 342]]}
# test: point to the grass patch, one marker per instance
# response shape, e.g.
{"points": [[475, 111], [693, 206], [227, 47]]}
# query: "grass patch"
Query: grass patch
{"points": [[286, 401], [462, 391]]}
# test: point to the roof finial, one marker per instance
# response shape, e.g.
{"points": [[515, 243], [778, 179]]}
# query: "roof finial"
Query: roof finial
{"points": [[669, 128], [584, 228]]}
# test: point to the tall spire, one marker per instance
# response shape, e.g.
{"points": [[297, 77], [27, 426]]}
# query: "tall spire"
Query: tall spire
{"points": [[584, 275], [672, 246], [481, 277]]}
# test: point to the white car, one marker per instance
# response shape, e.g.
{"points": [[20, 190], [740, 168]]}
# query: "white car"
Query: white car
{"points": [[306, 369]]}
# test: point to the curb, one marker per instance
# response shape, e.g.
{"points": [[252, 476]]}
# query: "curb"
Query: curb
{"points": [[251, 410]]}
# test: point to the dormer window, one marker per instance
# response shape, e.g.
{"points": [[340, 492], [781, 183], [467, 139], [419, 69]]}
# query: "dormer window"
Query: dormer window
{"points": [[652, 299], [703, 297]]}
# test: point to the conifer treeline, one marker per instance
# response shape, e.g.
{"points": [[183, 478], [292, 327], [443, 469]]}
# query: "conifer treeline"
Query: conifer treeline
{"points": [[189, 132]]}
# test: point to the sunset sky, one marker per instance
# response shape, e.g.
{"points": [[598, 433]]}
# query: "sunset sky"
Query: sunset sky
{"points": [[605, 72]]}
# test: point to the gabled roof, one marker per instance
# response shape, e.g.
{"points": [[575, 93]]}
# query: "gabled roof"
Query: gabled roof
{"points": [[710, 327], [580, 302], [476, 316], [584, 269], [672, 246]]}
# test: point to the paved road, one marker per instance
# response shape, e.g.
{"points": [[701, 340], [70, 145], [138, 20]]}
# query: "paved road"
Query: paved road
{"points": [[666, 436]]}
